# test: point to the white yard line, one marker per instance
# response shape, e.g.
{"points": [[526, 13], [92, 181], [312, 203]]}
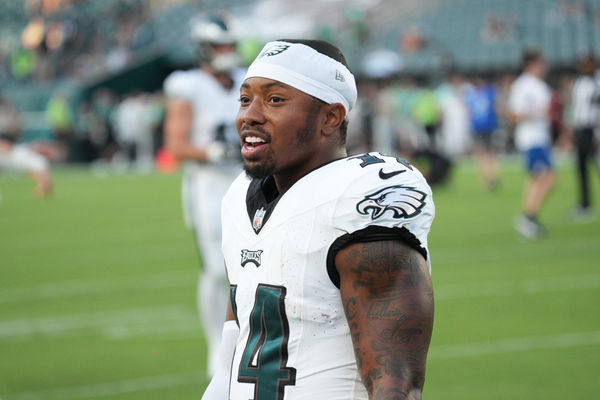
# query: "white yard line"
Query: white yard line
{"points": [[104, 389], [113, 324], [81, 287], [526, 286], [515, 345], [182, 320]]}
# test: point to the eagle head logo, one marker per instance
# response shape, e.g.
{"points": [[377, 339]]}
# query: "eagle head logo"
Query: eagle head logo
{"points": [[273, 50], [402, 201]]}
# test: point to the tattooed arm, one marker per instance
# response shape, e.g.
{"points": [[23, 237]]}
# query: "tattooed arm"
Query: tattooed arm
{"points": [[388, 299]]}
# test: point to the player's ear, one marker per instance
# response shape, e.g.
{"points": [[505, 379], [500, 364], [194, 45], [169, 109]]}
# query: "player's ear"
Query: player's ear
{"points": [[333, 116]]}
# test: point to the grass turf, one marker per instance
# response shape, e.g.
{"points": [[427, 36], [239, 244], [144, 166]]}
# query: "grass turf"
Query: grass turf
{"points": [[97, 295]]}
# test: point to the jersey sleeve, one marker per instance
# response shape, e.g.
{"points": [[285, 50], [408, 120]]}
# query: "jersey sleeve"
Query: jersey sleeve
{"points": [[177, 86], [392, 202], [516, 99]]}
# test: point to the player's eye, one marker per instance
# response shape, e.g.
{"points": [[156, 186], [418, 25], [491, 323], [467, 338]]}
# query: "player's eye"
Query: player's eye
{"points": [[276, 99], [244, 99]]}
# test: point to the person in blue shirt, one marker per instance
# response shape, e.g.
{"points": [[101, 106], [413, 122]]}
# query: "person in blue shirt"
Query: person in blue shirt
{"points": [[481, 103]]}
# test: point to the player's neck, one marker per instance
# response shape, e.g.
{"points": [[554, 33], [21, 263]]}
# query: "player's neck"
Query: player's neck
{"points": [[284, 179]]}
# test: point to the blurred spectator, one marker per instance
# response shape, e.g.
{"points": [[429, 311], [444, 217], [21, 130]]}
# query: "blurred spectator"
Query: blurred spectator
{"points": [[498, 28], [454, 130], [82, 149], [529, 105], [428, 115], [481, 102], [61, 120], [128, 127], [407, 120], [22, 63], [394, 129], [63, 38], [102, 133], [585, 102], [426, 112], [558, 108], [505, 124], [10, 121]]}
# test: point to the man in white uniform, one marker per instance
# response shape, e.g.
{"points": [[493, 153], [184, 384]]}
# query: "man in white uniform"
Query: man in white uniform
{"points": [[20, 158], [200, 130], [529, 106], [326, 254]]}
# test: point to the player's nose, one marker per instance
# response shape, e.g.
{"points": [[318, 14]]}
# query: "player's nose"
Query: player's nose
{"points": [[252, 113]]}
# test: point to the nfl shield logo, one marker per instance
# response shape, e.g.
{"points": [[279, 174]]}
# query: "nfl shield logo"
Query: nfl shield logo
{"points": [[257, 222]]}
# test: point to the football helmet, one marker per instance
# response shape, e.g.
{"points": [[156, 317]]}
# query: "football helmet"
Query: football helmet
{"points": [[213, 34]]}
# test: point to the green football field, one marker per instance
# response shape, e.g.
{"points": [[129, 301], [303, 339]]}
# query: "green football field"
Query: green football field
{"points": [[97, 292]]}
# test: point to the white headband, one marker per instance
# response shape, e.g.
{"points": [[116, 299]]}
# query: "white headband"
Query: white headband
{"points": [[307, 70]]}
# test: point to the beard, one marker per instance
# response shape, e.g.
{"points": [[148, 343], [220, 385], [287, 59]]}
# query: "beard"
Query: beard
{"points": [[260, 170], [303, 135]]}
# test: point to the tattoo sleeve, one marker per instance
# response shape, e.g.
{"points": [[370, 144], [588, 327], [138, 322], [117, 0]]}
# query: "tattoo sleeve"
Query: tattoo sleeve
{"points": [[388, 300]]}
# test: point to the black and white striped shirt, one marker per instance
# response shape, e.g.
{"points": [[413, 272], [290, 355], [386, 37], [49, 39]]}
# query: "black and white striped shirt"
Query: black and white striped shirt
{"points": [[585, 104]]}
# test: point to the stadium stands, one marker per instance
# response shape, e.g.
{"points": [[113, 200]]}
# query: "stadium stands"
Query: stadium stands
{"points": [[103, 38], [491, 34]]}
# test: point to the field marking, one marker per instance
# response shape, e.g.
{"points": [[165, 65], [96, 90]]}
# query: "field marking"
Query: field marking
{"points": [[526, 286], [148, 383], [104, 389], [515, 345], [486, 252], [182, 321], [117, 324], [82, 287]]}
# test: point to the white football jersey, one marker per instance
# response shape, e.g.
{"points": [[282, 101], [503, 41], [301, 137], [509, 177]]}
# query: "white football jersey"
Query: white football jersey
{"points": [[294, 340], [214, 108]]}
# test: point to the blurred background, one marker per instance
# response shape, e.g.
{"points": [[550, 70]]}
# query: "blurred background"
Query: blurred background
{"points": [[70, 69], [97, 281]]}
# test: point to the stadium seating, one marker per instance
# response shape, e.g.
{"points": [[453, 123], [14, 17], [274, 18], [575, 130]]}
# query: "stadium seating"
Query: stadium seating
{"points": [[476, 35], [458, 28]]}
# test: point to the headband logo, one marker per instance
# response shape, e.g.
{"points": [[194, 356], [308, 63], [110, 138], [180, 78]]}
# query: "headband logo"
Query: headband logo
{"points": [[339, 76], [274, 50]]}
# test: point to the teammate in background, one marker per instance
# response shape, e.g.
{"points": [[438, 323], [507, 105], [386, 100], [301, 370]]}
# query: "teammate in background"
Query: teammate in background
{"points": [[585, 97], [481, 102], [200, 131], [22, 159], [529, 107], [326, 254]]}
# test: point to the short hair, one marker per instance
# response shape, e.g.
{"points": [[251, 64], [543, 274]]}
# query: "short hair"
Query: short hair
{"points": [[322, 47], [531, 56], [343, 131]]}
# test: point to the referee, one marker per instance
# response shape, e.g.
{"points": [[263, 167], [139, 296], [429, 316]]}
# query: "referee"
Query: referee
{"points": [[585, 99]]}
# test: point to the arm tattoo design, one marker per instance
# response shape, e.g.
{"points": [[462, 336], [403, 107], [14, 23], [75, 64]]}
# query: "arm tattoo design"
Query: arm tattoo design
{"points": [[388, 301]]}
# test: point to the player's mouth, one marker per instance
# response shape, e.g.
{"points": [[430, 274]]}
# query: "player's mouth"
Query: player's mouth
{"points": [[252, 145]]}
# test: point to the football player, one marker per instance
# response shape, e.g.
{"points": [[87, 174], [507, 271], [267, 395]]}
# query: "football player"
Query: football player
{"points": [[200, 131], [327, 256], [22, 159]]}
